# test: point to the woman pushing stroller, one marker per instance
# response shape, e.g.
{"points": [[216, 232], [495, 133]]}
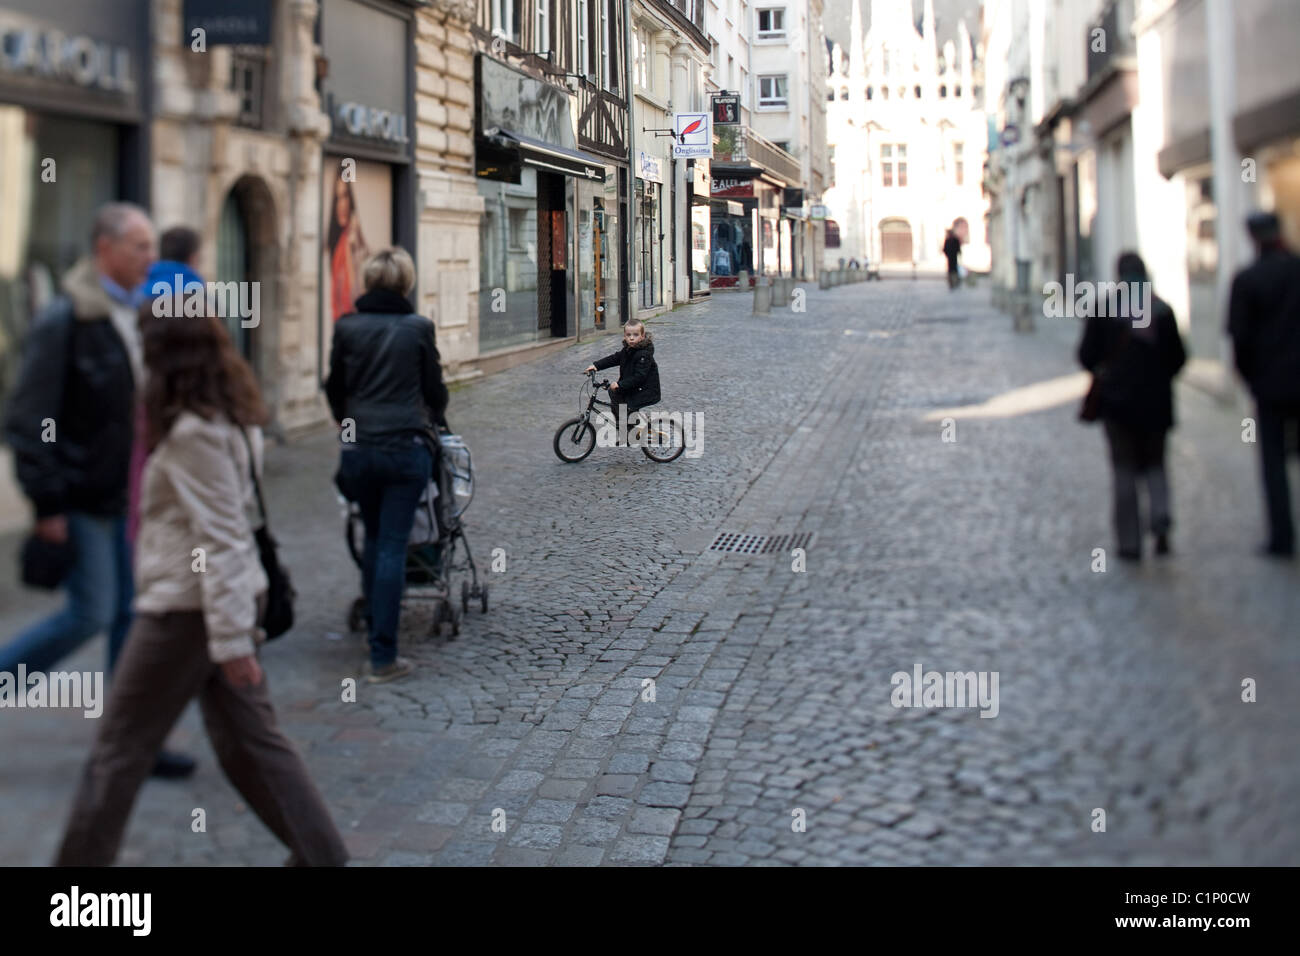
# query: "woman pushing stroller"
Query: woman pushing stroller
{"points": [[385, 389]]}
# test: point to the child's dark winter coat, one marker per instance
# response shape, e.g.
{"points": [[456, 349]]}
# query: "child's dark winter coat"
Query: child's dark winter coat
{"points": [[638, 375]]}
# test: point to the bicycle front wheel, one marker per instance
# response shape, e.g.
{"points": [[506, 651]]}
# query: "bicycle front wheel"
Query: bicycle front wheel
{"points": [[664, 440], [574, 440]]}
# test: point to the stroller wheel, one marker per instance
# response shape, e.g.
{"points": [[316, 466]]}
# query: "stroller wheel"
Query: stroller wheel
{"points": [[464, 597], [357, 615], [483, 597]]}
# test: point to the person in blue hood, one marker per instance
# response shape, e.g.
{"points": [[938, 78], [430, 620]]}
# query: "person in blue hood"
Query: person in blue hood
{"points": [[178, 251]]}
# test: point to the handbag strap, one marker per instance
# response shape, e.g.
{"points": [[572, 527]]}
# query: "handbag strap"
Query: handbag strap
{"points": [[257, 485]]}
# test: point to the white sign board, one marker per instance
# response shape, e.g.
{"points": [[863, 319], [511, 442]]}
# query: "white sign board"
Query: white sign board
{"points": [[693, 136]]}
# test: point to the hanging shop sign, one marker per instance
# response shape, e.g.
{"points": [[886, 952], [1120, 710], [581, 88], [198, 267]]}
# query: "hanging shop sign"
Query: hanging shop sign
{"points": [[726, 109], [692, 136]]}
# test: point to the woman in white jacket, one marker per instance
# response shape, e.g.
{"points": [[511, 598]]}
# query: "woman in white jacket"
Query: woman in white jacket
{"points": [[199, 589]]}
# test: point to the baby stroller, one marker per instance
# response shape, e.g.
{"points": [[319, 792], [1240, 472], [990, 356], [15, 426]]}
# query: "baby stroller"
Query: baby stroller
{"points": [[433, 552]]}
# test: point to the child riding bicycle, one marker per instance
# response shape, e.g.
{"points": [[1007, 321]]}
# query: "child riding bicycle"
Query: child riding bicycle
{"points": [[638, 374]]}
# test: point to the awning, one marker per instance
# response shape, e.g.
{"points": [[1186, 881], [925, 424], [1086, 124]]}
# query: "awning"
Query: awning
{"points": [[545, 156]]}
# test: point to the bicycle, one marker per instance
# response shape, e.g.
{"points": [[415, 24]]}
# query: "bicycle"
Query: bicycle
{"points": [[661, 440]]}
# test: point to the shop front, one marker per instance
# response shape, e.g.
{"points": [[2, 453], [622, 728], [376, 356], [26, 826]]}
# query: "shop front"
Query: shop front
{"points": [[733, 216], [73, 99], [547, 206], [367, 181]]}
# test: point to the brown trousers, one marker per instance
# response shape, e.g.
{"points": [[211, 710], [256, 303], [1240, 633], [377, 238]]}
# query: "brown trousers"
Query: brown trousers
{"points": [[163, 666]]}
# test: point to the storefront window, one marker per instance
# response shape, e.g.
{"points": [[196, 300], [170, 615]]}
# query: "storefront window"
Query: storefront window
{"points": [[44, 227], [609, 246], [648, 269], [508, 264], [731, 243], [699, 247]]}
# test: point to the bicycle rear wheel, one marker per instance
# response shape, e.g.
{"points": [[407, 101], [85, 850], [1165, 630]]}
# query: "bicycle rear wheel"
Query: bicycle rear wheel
{"points": [[664, 441], [574, 440]]}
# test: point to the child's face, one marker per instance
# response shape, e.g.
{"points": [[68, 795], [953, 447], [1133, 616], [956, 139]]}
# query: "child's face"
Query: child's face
{"points": [[633, 336]]}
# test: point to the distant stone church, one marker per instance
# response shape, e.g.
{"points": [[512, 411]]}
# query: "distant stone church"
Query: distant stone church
{"points": [[908, 137]]}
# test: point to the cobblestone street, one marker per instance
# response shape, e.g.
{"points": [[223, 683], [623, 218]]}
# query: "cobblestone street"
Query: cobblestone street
{"points": [[1119, 690]]}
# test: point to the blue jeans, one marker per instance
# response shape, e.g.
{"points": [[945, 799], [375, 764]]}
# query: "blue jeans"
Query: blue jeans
{"points": [[100, 589], [386, 482]]}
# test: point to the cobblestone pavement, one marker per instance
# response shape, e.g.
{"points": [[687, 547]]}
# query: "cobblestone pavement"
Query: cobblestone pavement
{"points": [[772, 687]]}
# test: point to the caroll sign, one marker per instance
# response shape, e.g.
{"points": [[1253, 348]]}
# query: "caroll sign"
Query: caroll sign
{"points": [[370, 123], [79, 60]]}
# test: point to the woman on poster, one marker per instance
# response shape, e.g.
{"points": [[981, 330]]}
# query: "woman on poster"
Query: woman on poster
{"points": [[347, 249]]}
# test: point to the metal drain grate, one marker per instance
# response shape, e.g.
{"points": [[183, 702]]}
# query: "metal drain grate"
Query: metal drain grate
{"points": [[734, 542], [787, 542]]}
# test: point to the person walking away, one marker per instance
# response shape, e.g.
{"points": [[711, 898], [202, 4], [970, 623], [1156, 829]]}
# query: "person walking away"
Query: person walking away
{"points": [[195, 635], [1135, 358], [385, 382], [1264, 324], [952, 249], [638, 373]]}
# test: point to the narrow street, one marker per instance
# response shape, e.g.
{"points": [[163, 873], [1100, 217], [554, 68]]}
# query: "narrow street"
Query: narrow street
{"points": [[772, 687]]}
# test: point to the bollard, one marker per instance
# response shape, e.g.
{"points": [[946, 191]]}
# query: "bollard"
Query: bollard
{"points": [[824, 280], [762, 297], [743, 282]]}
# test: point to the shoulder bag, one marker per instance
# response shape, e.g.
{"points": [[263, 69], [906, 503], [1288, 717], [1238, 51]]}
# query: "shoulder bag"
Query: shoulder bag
{"points": [[277, 618]]}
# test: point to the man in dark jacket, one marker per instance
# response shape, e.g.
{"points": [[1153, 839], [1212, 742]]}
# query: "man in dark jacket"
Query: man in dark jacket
{"points": [[1264, 322], [952, 249], [638, 374], [1135, 359], [70, 425]]}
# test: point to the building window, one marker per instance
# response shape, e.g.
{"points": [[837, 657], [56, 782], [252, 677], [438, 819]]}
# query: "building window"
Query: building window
{"points": [[917, 91], [543, 41], [943, 91], [783, 145], [772, 92], [871, 92], [505, 19], [884, 60], [844, 92], [886, 164], [900, 152], [606, 42], [958, 164], [248, 79], [744, 88], [584, 46], [771, 23], [644, 68], [956, 90]]}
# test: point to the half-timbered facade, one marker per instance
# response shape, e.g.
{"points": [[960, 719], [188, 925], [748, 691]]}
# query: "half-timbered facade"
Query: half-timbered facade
{"points": [[551, 158]]}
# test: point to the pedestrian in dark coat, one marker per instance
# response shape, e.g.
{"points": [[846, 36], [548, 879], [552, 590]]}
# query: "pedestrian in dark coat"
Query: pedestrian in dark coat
{"points": [[1264, 322], [386, 385], [1135, 359], [952, 249]]}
